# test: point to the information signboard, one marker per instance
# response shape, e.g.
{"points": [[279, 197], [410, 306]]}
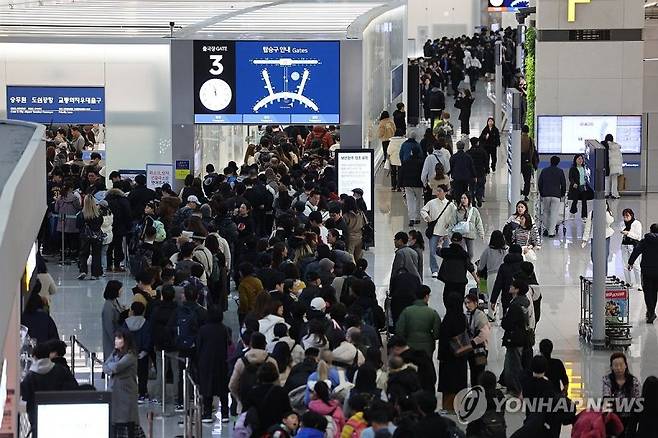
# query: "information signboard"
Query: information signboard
{"points": [[159, 174], [56, 105], [280, 82], [355, 170]]}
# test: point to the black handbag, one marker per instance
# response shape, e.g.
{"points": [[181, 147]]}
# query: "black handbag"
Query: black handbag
{"points": [[429, 231]]}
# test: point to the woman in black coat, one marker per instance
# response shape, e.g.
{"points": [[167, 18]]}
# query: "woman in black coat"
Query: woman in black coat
{"points": [[578, 188], [490, 141], [452, 369], [464, 103], [455, 267], [212, 345], [271, 401]]}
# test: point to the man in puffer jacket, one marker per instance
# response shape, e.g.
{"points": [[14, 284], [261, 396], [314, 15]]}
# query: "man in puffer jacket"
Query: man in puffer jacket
{"points": [[320, 133]]}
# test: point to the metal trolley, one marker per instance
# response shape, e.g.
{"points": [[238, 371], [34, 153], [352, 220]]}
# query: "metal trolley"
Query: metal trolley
{"points": [[617, 311]]}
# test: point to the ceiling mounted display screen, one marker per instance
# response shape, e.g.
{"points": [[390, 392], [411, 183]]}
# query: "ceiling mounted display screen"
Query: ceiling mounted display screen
{"points": [[267, 82], [507, 5]]}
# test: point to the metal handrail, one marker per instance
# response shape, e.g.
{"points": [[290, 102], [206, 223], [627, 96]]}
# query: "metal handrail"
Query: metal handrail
{"points": [[90, 355], [192, 426]]}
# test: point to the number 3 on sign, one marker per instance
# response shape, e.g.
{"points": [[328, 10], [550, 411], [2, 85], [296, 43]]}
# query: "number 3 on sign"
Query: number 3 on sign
{"points": [[217, 67]]}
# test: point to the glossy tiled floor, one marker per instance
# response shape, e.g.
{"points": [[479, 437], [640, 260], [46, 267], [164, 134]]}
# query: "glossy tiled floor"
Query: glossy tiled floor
{"points": [[77, 306]]}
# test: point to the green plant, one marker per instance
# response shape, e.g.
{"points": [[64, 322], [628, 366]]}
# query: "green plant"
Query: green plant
{"points": [[530, 39]]}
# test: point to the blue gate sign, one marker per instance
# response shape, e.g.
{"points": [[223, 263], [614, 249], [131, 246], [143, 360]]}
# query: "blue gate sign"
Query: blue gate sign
{"points": [[56, 105]]}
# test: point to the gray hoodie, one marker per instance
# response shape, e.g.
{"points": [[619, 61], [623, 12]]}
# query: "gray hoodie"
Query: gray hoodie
{"points": [[42, 366], [135, 323]]}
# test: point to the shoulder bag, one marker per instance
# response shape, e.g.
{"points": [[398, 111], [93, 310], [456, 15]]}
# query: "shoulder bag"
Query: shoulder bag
{"points": [[429, 232], [460, 345], [464, 227]]}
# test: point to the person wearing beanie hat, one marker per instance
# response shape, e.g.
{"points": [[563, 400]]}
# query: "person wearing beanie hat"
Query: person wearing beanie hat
{"points": [[508, 270]]}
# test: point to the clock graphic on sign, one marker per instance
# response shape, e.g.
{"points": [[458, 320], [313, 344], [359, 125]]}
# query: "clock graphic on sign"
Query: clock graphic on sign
{"points": [[215, 94]]}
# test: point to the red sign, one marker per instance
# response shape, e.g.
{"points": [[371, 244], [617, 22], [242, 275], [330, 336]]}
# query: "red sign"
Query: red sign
{"points": [[616, 294]]}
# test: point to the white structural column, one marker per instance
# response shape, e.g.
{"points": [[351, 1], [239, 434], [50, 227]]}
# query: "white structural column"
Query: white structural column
{"points": [[589, 77]]}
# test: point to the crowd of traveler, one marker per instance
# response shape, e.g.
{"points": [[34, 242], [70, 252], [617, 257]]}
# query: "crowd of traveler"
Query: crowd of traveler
{"points": [[308, 356]]}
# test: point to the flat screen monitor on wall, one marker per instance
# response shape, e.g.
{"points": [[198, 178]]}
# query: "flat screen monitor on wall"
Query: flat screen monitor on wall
{"points": [[56, 105], [279, 82], [567, 134], [397, 81]]}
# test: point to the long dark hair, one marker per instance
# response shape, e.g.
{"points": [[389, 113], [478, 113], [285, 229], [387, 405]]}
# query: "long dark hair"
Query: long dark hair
{"points": [[575, 157], [384, 115], [128, 340], [627, 389], [321, 391], [497, 240], [439, 172], [418, 237]]}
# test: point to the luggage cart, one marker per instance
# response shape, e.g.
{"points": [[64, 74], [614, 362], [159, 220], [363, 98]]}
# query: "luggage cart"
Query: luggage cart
{"points": [[539, 217], [617, 312]]}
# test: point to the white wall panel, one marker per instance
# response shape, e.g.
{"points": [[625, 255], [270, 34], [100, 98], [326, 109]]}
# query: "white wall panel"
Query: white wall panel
{"points": [[598, 14], [384, 48], [443, 18], [137, 91]]}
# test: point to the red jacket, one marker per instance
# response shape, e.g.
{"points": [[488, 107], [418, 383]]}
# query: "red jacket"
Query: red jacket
{"points": [[590, 424], [320, 133]]}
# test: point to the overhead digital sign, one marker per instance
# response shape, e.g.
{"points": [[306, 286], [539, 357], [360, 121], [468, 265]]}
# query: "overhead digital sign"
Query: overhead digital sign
{"points": [[279, 82], [507, 5], [59, 105]]}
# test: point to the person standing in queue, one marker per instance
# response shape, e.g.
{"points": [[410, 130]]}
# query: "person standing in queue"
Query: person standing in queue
{"points": [[89, 222], [490, 141], [648, 249], [121, 366]]}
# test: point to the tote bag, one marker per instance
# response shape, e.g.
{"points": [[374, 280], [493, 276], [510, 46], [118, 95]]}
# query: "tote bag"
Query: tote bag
{"points": [[464, 227]]}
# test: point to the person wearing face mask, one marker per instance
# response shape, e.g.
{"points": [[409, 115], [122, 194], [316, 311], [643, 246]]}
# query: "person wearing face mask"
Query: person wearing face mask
{"points": [[121, 367]]}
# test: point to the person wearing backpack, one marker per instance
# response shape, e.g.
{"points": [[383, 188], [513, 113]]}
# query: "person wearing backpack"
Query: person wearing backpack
{"points": [[143, 292], [185, 324], [356, 424], [322, 404], [243, 377], [492, 423]]}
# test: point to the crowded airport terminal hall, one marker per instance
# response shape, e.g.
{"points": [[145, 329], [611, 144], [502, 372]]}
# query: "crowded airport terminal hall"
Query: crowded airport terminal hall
{"points": [[328, 218]]}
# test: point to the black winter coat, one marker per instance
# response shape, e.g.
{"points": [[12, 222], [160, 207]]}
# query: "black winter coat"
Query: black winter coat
{"points": [[402, 384], [452, 369], [648, 248], [163, 337], [410, 171], [480, 159], [57, 379], [400, 120], [424, 365], [403, 292], [464, 104], [574, 180], [299, 374], [122, 215], [138, 198], [461, 167], [552, 182], [40, 326], [436, 98], [510, 267], [492, 141], [433, 426], [212, 345], [456, 264]]}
